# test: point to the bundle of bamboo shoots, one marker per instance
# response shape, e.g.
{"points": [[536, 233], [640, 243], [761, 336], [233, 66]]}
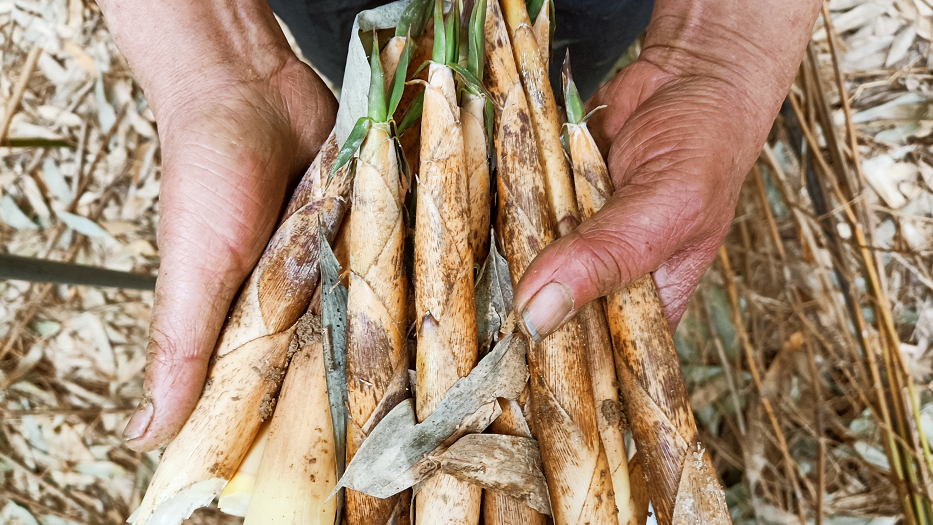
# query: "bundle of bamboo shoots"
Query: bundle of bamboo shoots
{"points": [[486, 83], [683, 483]]}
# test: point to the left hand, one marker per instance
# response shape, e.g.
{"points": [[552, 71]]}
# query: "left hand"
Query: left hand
{"points": [[682, 126]]}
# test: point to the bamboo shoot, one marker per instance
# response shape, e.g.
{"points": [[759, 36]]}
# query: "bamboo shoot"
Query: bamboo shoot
{"points": [[298, 468], [248, 361], [234, 500], [445, 306]]}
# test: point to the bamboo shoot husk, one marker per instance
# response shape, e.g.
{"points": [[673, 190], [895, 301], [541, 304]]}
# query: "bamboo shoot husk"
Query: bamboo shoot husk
{"points": [[476, 160], [544, 117], [640, 496], [377, 366], [649, 373], [390, 56], [234, 499], [542, 31], [562, 414], [499, 509], [445, 305], [248, 362], [298, 470], [593, 188]]}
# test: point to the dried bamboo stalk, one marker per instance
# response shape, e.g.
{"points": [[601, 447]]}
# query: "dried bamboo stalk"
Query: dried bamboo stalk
{"points": [[593, 187], [234, 500], [298, 470], [377, 367], [544, 117], [249, 358], [476, 162], [562, 413], [445, 306]]}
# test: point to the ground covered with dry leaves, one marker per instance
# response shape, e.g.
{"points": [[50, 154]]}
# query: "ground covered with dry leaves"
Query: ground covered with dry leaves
{"points": [[789, 346]]}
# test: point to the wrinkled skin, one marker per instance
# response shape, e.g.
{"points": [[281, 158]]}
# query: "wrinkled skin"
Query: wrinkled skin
{"points": [[239, 117], [682, 126]]}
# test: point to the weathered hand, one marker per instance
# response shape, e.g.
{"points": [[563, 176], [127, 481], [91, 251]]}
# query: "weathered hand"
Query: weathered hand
{"points": [[227, 158], [681, 128], [239, 115]]}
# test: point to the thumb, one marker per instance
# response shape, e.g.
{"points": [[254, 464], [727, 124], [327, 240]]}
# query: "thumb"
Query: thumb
{"points": [[645, 227], [214, 224]]}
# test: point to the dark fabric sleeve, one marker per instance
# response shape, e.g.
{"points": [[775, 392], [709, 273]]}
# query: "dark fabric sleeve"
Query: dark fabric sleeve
{"points": [[322, 30], [597, 32]]}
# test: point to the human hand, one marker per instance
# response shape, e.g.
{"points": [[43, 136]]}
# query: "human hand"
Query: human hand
{"points": [[233, 132], [682, 126]]}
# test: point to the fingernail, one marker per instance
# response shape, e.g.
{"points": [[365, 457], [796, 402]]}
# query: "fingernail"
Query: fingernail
{"points": [[139, 423], [547, 310]]}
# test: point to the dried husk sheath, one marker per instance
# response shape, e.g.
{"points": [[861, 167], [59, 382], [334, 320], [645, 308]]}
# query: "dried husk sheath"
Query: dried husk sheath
{"points": [[298, 468], [649, 373], [248, 361], [562, 414], [500, 509], [377, 365], [445, 305], [593, 187]]}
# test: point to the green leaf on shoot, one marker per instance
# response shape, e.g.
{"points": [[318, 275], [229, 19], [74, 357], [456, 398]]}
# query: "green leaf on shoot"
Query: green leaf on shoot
{"points": [[572, 101], [377, 92], [476, 50], [357, 134], [414, 19], [398, 82], [413, 113]]}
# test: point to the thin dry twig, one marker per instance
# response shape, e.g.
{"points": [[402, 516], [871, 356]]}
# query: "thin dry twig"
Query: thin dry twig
{"points": [[19, 90]]}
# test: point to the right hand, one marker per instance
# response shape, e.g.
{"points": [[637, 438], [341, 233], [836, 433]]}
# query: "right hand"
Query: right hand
{"points": [[230, 144]]}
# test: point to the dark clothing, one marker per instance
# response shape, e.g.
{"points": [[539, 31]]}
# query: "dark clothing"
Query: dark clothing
{"points": [[597, 32]]}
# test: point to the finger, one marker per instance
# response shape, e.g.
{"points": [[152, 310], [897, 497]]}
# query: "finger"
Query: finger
{"points": [[214, 223], [678, 277], [638, 229]]}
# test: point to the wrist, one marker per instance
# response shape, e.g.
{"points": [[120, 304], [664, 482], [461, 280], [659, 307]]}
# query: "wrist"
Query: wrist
{"points": [[748, 50], [180, 50]]}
